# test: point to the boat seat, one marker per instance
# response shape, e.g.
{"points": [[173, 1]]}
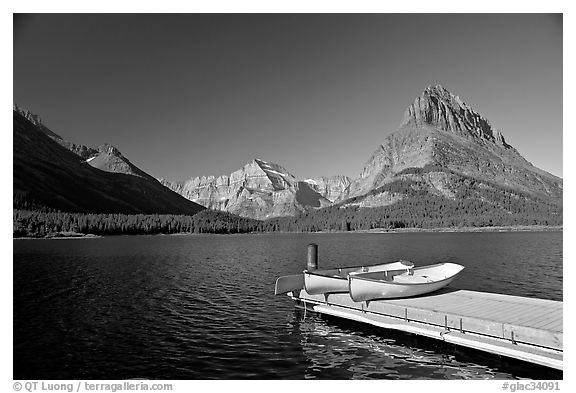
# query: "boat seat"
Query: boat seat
{"points": [[402, 279]]}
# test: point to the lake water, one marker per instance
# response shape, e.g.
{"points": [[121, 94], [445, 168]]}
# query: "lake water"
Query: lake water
{"points": [[203, 306]]}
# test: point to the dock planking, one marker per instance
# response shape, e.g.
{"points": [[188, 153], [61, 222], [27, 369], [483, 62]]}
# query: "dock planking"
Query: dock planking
{"points": [[528, 329]]}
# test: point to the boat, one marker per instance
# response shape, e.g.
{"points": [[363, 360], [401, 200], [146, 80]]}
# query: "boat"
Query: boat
{"points": [[336, 280], [365, 286]]}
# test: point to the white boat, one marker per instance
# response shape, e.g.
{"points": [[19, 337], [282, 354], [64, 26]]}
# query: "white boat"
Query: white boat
{"points": [[385, 285], [336, 280]]}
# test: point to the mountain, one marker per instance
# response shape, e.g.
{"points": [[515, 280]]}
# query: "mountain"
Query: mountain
{"points": [[106, 157], [331, 187], [84, 152], [49, 175], [443, 150], [258, 190], [109, 159], [440, 142], [445, 165]]}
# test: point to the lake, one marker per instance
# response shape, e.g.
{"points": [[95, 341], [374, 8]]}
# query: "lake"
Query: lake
{"points": [[203, 306]]}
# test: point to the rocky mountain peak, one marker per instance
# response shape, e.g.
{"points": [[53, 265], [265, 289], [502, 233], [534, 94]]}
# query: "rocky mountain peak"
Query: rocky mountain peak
{"points": [[110, 150], [270, 166], [260, 189], [278, 176], [439, 108], [37, 121], [330, 187], [34, 119]]}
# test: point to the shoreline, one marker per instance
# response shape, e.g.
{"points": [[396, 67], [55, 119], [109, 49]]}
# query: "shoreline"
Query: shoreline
{"points": [[519, 228], [62, 236], [499, 229]]}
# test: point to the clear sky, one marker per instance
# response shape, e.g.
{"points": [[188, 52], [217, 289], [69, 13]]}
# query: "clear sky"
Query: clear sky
{"points": [[199, 94]]}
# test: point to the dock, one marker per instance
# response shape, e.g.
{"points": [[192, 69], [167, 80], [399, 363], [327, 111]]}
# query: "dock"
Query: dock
{"points": [[522, 328]]}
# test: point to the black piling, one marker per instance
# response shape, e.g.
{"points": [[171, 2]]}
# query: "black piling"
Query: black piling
{"points": [[312, 263]]}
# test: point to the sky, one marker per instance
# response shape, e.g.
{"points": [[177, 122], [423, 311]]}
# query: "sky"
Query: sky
{"points": [[185, 95]]}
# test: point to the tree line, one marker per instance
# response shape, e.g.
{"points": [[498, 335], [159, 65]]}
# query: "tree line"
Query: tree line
{"points": [[31, 223], [474, 204], [428, 212]]}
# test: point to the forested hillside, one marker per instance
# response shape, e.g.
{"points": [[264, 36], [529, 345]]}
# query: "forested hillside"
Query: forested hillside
{"points": [[473, 203], [472, 206], [47, 224]]}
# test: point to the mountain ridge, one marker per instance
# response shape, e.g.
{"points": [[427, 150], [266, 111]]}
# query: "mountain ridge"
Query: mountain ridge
{"points": [[260, 189], [438, 107], [439, 129], [47, 175], [441, 146], [105, 157]]}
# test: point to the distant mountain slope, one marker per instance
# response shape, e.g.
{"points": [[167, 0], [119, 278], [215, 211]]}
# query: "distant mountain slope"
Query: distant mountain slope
{"points": [[411, 202], [445, 165], [417, 186], [330, 187], [258, 190], [109, 159], [440, 145], [48, 175], [84, 152], [440, 131], [106, 157]]}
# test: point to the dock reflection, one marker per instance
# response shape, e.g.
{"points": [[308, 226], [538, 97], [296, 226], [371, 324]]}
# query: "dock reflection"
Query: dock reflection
{"points": [[340, 349]]}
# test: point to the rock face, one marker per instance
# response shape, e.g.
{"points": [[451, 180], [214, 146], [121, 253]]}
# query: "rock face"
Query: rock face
{"points": [[331, 187], [439, 108], [81, 150], [259, 190], [108, 158], [442, 134], [31, 117]]}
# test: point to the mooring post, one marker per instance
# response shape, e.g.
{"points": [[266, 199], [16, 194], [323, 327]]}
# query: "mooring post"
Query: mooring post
{"points": [[312, 263]]}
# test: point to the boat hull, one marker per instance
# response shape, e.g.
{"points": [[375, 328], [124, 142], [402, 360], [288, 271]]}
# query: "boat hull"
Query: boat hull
{"points": [[427, 279], [317, 282]]}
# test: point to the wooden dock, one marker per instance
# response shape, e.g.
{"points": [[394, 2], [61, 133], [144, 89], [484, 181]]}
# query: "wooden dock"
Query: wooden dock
{"points": [[516, 327]]}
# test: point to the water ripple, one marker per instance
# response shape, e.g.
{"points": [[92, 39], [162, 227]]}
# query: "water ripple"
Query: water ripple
{"points": [[202, 307]]}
